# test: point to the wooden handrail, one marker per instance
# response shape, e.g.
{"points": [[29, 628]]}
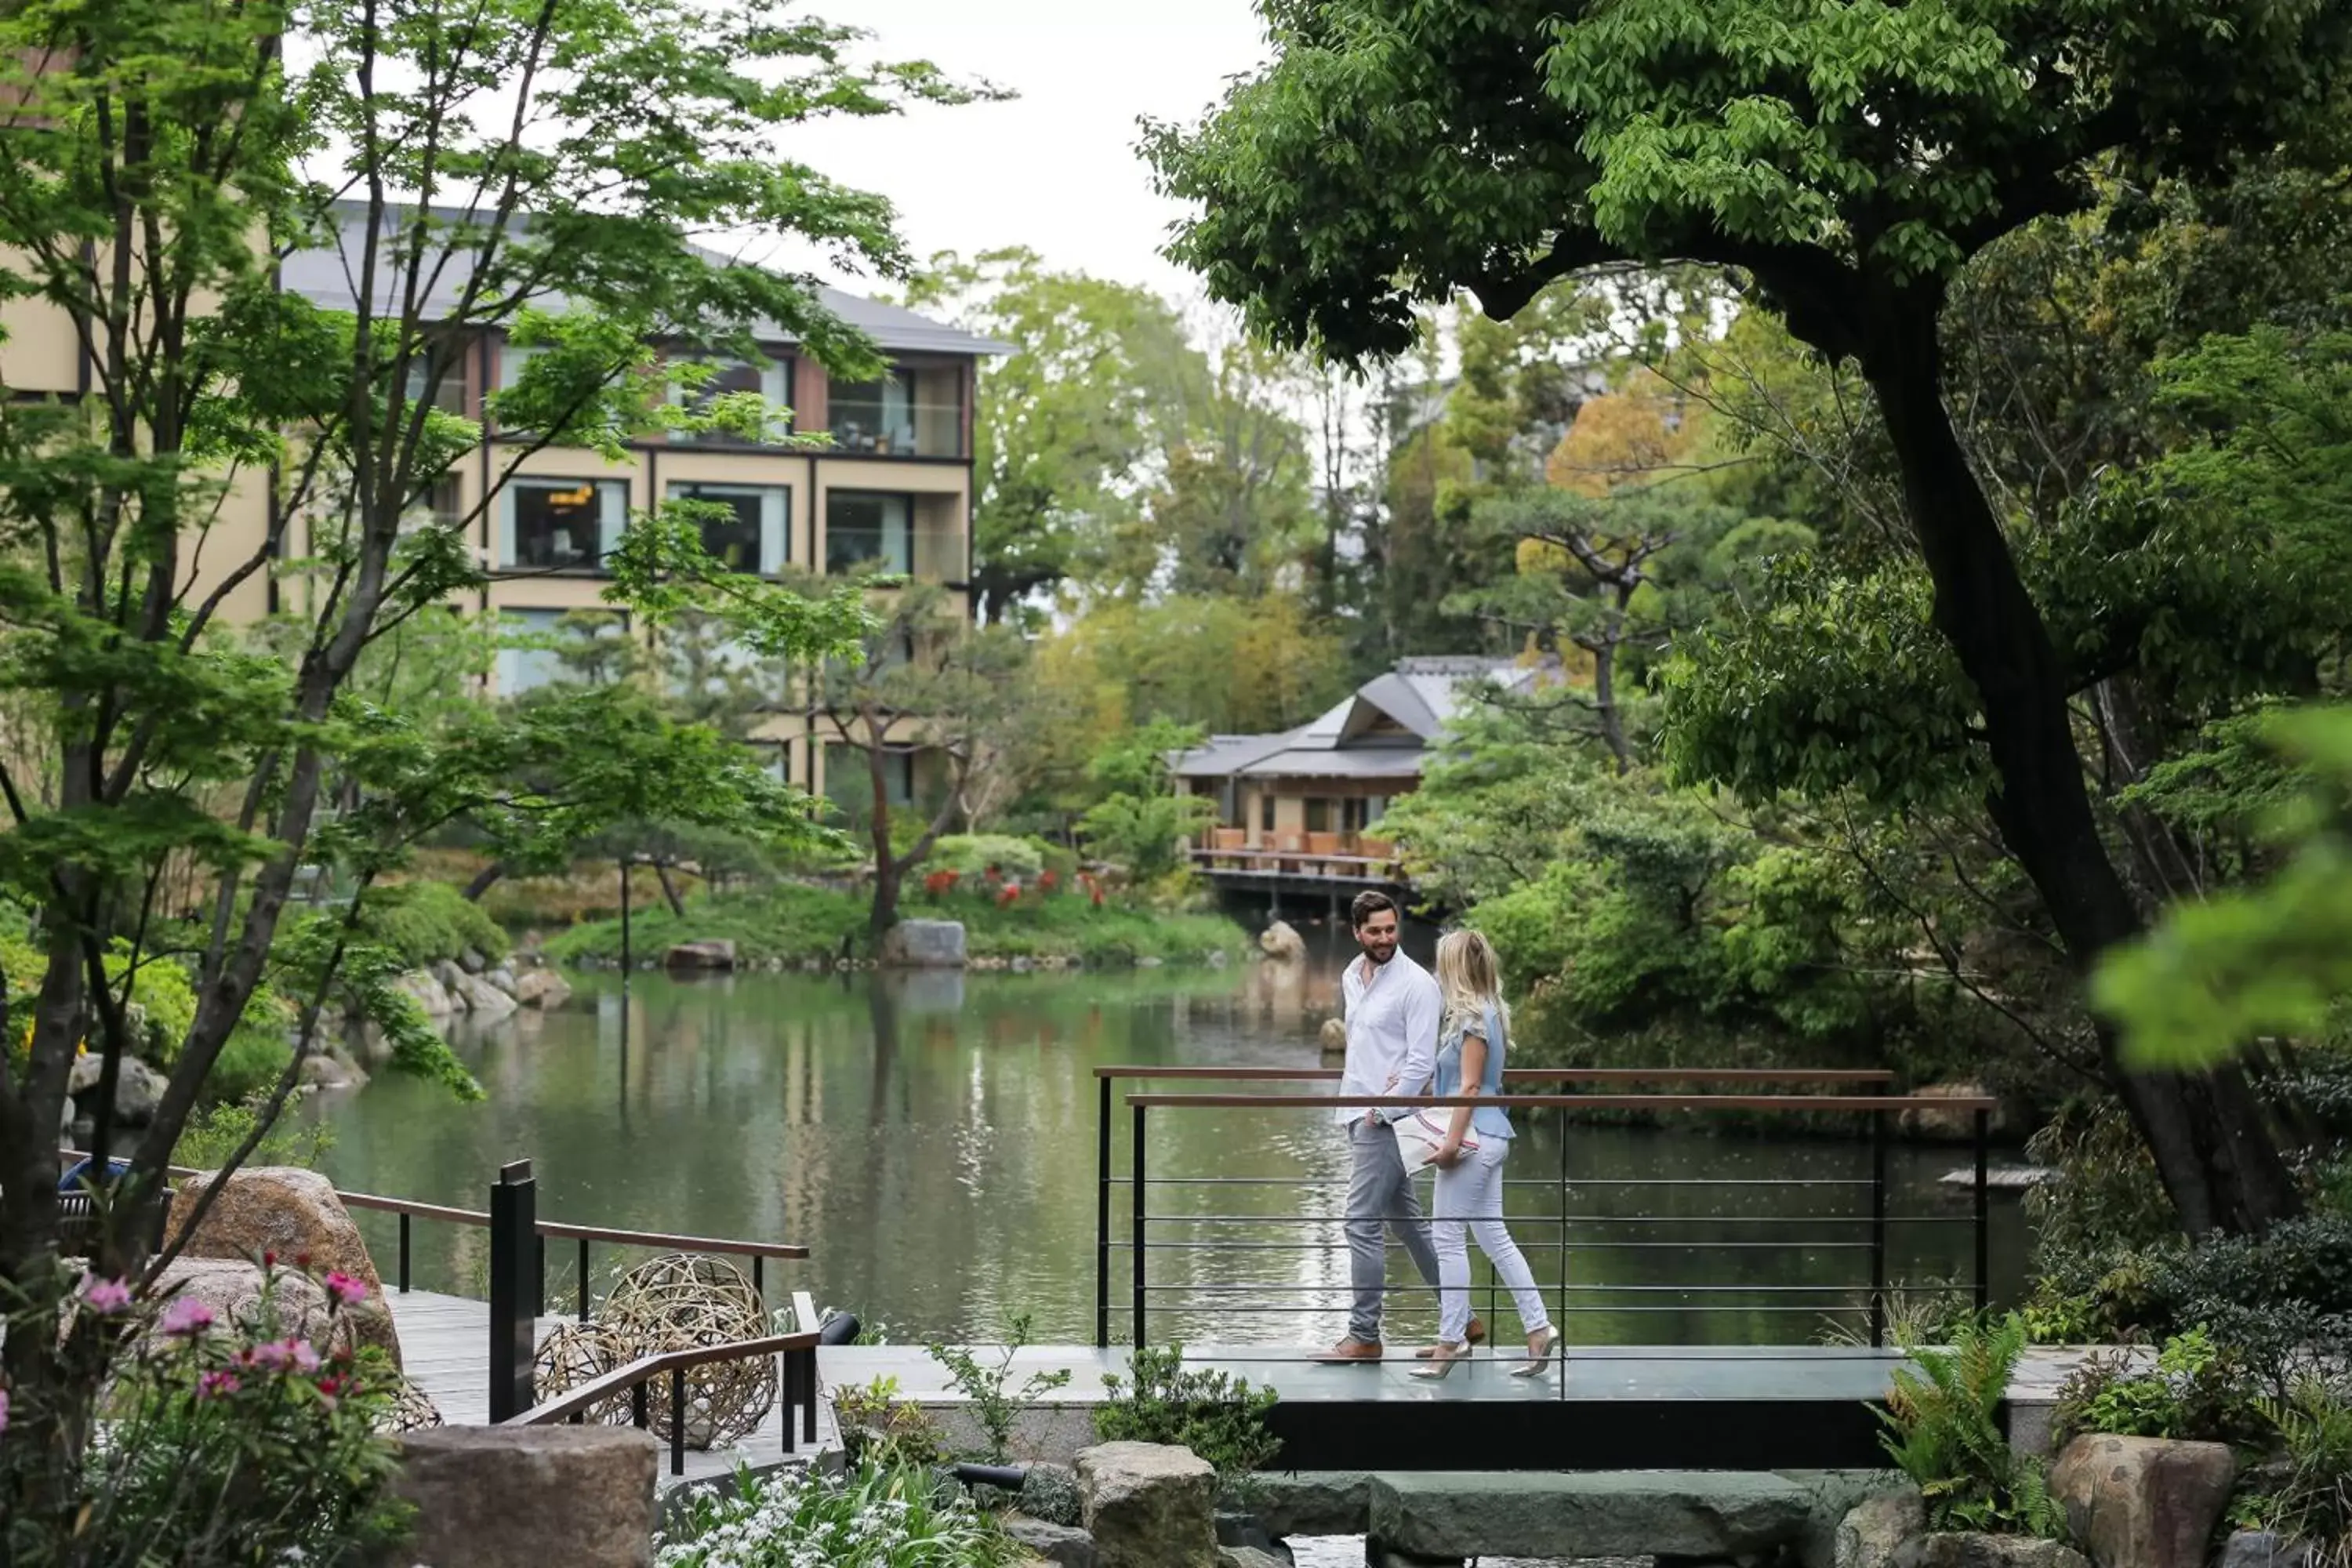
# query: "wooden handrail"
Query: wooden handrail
{"points": [[644, 1369], [1531, 1074], [1574, 1101], [710, 1243]]}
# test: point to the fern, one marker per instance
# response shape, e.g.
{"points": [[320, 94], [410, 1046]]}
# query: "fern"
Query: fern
{"points": [[1943, 1423]]}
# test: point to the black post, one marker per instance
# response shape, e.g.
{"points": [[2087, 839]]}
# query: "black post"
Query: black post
{"points": [[514, 1258], [789, 1370], [537, 1280], [583, 1278], [403, 1252], [1877, 1229], [1136, 1254], [808, 1396], [624, 940], [677, 1421], [1984, 1212], [1102, 1213]]}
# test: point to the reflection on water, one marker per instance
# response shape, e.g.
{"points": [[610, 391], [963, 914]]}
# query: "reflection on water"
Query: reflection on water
{"points": [[932, 1138]]}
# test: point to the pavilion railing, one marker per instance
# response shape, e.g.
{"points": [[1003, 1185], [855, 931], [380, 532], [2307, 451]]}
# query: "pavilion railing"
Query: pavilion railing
{"points": [[1863, 1232]]}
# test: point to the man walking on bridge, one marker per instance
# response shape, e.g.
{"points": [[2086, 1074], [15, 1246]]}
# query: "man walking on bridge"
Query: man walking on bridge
{"points": [[1391, 1008]]}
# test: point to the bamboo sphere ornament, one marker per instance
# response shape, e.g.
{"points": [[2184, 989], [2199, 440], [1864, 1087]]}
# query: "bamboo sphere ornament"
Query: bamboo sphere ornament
{"points": [[577, 1353], [680, 1302], [412, 1410]]}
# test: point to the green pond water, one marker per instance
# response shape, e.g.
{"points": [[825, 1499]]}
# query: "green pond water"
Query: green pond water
{"points": [[932, 1138]]}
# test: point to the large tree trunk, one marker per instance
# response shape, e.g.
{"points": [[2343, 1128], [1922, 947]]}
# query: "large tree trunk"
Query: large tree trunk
{"points": [[2211, 1144], [887, 869]]}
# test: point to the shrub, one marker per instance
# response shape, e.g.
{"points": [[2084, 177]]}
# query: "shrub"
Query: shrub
{"points": [[2197, 1391], [874, 1517], [1218, 1416], [1943, 1433], [971, 854], [223, 1445], [2276, 1299], [215, 1132], [427, 922], [994, 1409], [876, 1426], [2314, 1500]]}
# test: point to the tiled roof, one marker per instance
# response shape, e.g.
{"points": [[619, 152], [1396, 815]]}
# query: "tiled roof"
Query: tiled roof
{"points": [[1420, 695]]}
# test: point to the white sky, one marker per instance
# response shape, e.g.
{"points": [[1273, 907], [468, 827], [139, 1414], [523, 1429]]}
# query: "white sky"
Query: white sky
{"points": [[1055, 168]]}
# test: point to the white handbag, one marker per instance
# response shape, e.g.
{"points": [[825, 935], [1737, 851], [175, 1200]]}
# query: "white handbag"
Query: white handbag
{"points": [[1420, 1137]]}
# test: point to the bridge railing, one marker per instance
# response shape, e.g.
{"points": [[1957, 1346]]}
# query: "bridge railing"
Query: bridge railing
{"points": [[1860, 1230]]}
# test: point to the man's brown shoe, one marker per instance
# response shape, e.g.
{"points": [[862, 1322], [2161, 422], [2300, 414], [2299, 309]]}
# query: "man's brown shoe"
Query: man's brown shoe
{"points": [[1475, 1334], [1351, 1350]]}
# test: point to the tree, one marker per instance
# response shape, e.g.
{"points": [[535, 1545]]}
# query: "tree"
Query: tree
{"points": [[1138, 819], [923, 683], [1067, 424], [1846, 162], [552, 169]]}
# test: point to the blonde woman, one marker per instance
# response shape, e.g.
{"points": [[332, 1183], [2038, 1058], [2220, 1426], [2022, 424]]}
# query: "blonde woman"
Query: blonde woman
{"points": [[1472, 1042]]}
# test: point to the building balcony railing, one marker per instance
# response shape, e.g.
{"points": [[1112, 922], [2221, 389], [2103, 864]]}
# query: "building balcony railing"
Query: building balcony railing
{"points": [[908, 430], [935, 553]]}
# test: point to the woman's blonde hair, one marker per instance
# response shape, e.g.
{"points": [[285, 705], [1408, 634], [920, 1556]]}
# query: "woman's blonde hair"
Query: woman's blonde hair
{"points": [[1469, 977]]}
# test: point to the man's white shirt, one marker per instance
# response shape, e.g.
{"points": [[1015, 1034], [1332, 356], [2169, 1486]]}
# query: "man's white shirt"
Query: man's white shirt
{"points": [[1391, 1031]]}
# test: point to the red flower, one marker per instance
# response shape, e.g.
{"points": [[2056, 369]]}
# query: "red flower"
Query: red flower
{"points": [[1005, 900], [1049, 880]]}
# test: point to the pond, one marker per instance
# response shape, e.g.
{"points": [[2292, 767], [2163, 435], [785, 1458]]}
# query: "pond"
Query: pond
{"points": [[931, 1138]]}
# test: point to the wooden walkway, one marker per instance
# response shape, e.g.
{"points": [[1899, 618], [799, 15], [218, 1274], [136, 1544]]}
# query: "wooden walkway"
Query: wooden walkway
{"points": [[444, 1346]]}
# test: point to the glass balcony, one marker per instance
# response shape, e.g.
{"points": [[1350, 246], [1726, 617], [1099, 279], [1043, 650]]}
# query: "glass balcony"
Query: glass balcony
{"points": [[906, 413], [917, 536]]}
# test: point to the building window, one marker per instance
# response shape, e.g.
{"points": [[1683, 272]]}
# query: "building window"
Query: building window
{"points": [[849, 783], [1266, 812], [908, 413], [756, 536], [439, 375], [441, 504], [771, 380], [534, 643], [1318, 815], [862, 527], [562, 525]]}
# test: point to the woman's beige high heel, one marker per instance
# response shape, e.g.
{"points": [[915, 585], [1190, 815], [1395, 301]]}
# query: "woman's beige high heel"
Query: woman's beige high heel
{"points": [[1539, 1361], [1442, 1357]]}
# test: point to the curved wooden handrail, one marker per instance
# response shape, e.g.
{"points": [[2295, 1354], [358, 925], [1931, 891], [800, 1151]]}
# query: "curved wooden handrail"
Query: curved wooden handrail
{"points": [[644, 1369], [1573, 1102], [1529, 1075], [710, 1244]]}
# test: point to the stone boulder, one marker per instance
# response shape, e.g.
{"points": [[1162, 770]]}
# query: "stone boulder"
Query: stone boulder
{"points": [[528, 1497], [542, 988], [1333, 1037], [484, 1001], [1249, 1557], [1312, 1502], [138, 1089], [924, 944], [1873, 1532], [295, 1214], [1282, 943], [1149, 1505], [1954, 1550], [424, 988], [1064, 1546], [1706, 1514], [233, 1289], [717, 954], [2263, 1549], [2143, 1502], [503, 978], [322, 1071]]}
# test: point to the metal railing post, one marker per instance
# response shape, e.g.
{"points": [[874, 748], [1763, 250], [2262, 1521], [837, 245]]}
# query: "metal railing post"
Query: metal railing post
{"points": [[1136, 1253], [1877, 1229], [404, 1253], [1983, 1211], [539, 1278], [677, 1421], [584, 1279], [1102, 1213], [514, 1259]]}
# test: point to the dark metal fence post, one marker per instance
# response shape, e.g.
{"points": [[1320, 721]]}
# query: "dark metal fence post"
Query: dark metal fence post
{"points": [[677, 1421], [1102, 1213], [538, 1278], [1984, 1212], [1135, 1253], [584, 1279], [403, 1252], [1877, 1229], [514, 1263], [624, 942]]}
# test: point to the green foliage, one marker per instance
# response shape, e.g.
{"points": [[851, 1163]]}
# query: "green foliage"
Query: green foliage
{"points": [[2097, 1227], [218, 1130], [2267, 960], [875, 1516], [1943, 1433], [2198, 1390], [974, 854], [879, 1427], [1145, 833], [226, 1445], [797, 921], [995, 1410], [1217, 1415], [2314, 1425], [423, 923]]}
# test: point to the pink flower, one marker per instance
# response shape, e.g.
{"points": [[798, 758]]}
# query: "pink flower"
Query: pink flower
{"points": [[215, 1385], [187, 1318], [104, 1297], [306, 1360], [4, 1410], [280, 1354], [346, 1291]]}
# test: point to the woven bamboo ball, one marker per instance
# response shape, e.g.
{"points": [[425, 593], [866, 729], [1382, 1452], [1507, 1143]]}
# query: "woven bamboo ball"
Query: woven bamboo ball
{"points": [[412, 1410], [575, 1353], [681, 1302]]}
